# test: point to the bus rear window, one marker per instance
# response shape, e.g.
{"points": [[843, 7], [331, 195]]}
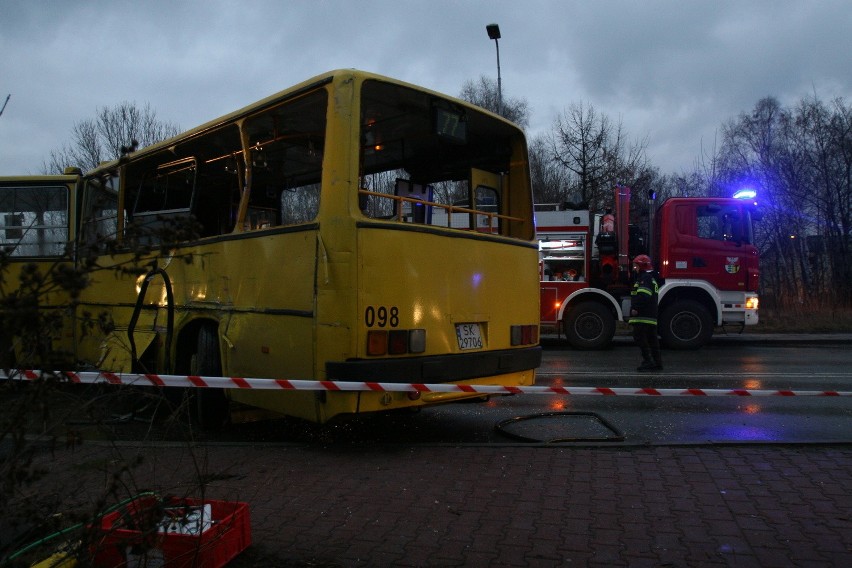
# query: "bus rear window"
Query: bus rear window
{"points": [[425, 159], [34, 220]]}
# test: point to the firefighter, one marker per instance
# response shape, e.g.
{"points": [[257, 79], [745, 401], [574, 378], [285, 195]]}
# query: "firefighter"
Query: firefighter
{"points": [[643, 314]]}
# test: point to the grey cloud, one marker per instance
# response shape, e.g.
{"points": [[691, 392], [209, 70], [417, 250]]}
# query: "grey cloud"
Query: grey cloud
{"points": [[671, 71]]}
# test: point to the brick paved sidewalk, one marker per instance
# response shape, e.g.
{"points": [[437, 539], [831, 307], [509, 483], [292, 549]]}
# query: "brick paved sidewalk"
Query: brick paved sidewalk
{"points": [[750, 505]]}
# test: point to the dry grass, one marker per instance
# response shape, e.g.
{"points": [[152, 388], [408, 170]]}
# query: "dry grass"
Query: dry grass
{"points": [[803, 320]]}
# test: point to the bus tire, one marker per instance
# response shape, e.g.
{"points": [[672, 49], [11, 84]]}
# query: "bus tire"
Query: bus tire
{"points": [[685, 324], [210, 405], [589, 325]]}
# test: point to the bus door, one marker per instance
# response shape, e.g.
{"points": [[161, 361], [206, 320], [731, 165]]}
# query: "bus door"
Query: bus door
{"points": [[97, 338]]}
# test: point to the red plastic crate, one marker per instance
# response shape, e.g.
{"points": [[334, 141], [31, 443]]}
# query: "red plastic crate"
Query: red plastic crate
{"points": [[122, 543]]}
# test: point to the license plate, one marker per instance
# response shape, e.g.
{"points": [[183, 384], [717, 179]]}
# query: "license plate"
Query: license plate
{"points": [[469, 336]]}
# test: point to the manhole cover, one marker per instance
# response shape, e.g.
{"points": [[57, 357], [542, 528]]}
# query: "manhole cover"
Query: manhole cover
{"points": [[556, 427]]}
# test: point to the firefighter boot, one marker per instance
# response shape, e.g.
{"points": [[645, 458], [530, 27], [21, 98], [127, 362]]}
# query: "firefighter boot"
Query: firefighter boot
{"points": [[658, 359], [647, 363]]}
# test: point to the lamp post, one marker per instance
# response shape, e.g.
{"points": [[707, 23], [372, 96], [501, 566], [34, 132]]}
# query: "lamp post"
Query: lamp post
{"points": [[494, 33]]}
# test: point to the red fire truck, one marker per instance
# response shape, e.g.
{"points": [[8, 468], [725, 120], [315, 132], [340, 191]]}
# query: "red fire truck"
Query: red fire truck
{"points": [[702, 247]]}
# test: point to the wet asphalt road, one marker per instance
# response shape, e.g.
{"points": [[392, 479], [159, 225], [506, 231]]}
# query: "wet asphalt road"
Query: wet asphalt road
{"points": [[565, 419]]}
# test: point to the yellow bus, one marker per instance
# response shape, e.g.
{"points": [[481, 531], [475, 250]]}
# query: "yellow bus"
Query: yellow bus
{"points": [[350, 228]]}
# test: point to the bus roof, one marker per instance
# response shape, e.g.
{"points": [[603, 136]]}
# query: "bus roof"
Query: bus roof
{"points": [[273, 99], [34, 179]]}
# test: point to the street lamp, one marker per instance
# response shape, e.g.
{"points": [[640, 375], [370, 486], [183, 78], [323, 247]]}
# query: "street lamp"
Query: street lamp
{"points": [[494, 33]]}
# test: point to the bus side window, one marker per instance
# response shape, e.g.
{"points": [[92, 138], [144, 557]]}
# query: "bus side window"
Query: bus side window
{"points": [[100, 214], [287, 152], [164, 198], [200, 178], [218, 199], [300, 204]]}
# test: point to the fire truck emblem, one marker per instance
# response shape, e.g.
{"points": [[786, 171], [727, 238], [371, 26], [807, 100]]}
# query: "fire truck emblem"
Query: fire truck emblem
{"points": [[733, 264]]}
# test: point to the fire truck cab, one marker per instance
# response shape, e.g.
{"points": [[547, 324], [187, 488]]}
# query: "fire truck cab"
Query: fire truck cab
{"points": [[702, 248]]}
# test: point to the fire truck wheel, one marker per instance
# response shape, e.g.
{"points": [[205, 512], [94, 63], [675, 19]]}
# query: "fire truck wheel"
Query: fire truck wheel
{"points": [[589, 325], [210, 405], [686, 324]]}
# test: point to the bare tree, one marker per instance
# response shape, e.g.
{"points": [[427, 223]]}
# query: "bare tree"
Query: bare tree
{"points": [[578, 144], [595, 153], [692, 184], [106, 136], [800, 159], [825, 141], [751, 150], [484, 92], [549, 181]]}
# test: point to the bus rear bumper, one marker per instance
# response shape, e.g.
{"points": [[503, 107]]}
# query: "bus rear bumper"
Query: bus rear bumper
{"points": [[436, 368]]}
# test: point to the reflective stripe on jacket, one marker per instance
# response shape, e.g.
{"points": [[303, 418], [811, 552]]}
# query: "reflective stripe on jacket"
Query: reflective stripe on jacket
{"points": [[643, 299]]}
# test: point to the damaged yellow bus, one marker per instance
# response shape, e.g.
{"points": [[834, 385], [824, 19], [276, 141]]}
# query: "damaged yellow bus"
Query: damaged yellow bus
{"points": [[350, 228]]}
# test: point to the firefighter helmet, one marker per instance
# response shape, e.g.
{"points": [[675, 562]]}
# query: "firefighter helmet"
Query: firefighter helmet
{"points": [[643, 262]]}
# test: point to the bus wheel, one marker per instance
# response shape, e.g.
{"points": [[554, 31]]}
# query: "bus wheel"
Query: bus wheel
{"points": [[589, 325], [210, 405], [686, 324]]}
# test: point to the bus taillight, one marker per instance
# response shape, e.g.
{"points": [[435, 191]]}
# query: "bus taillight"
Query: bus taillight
{"points": [[417, 341], [398, 341], [377, 342], [395, 342], [524, 334]]}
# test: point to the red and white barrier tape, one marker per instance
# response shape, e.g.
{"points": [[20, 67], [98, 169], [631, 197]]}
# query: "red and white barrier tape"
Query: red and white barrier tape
{"points": [[292, 385]]}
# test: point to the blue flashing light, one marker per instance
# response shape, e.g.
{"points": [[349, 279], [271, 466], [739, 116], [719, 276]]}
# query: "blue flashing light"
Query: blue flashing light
{"points": [[745, 193]]}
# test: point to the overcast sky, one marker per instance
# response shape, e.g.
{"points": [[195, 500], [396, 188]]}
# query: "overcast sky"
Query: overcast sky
{"points": [[671, 71]]}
